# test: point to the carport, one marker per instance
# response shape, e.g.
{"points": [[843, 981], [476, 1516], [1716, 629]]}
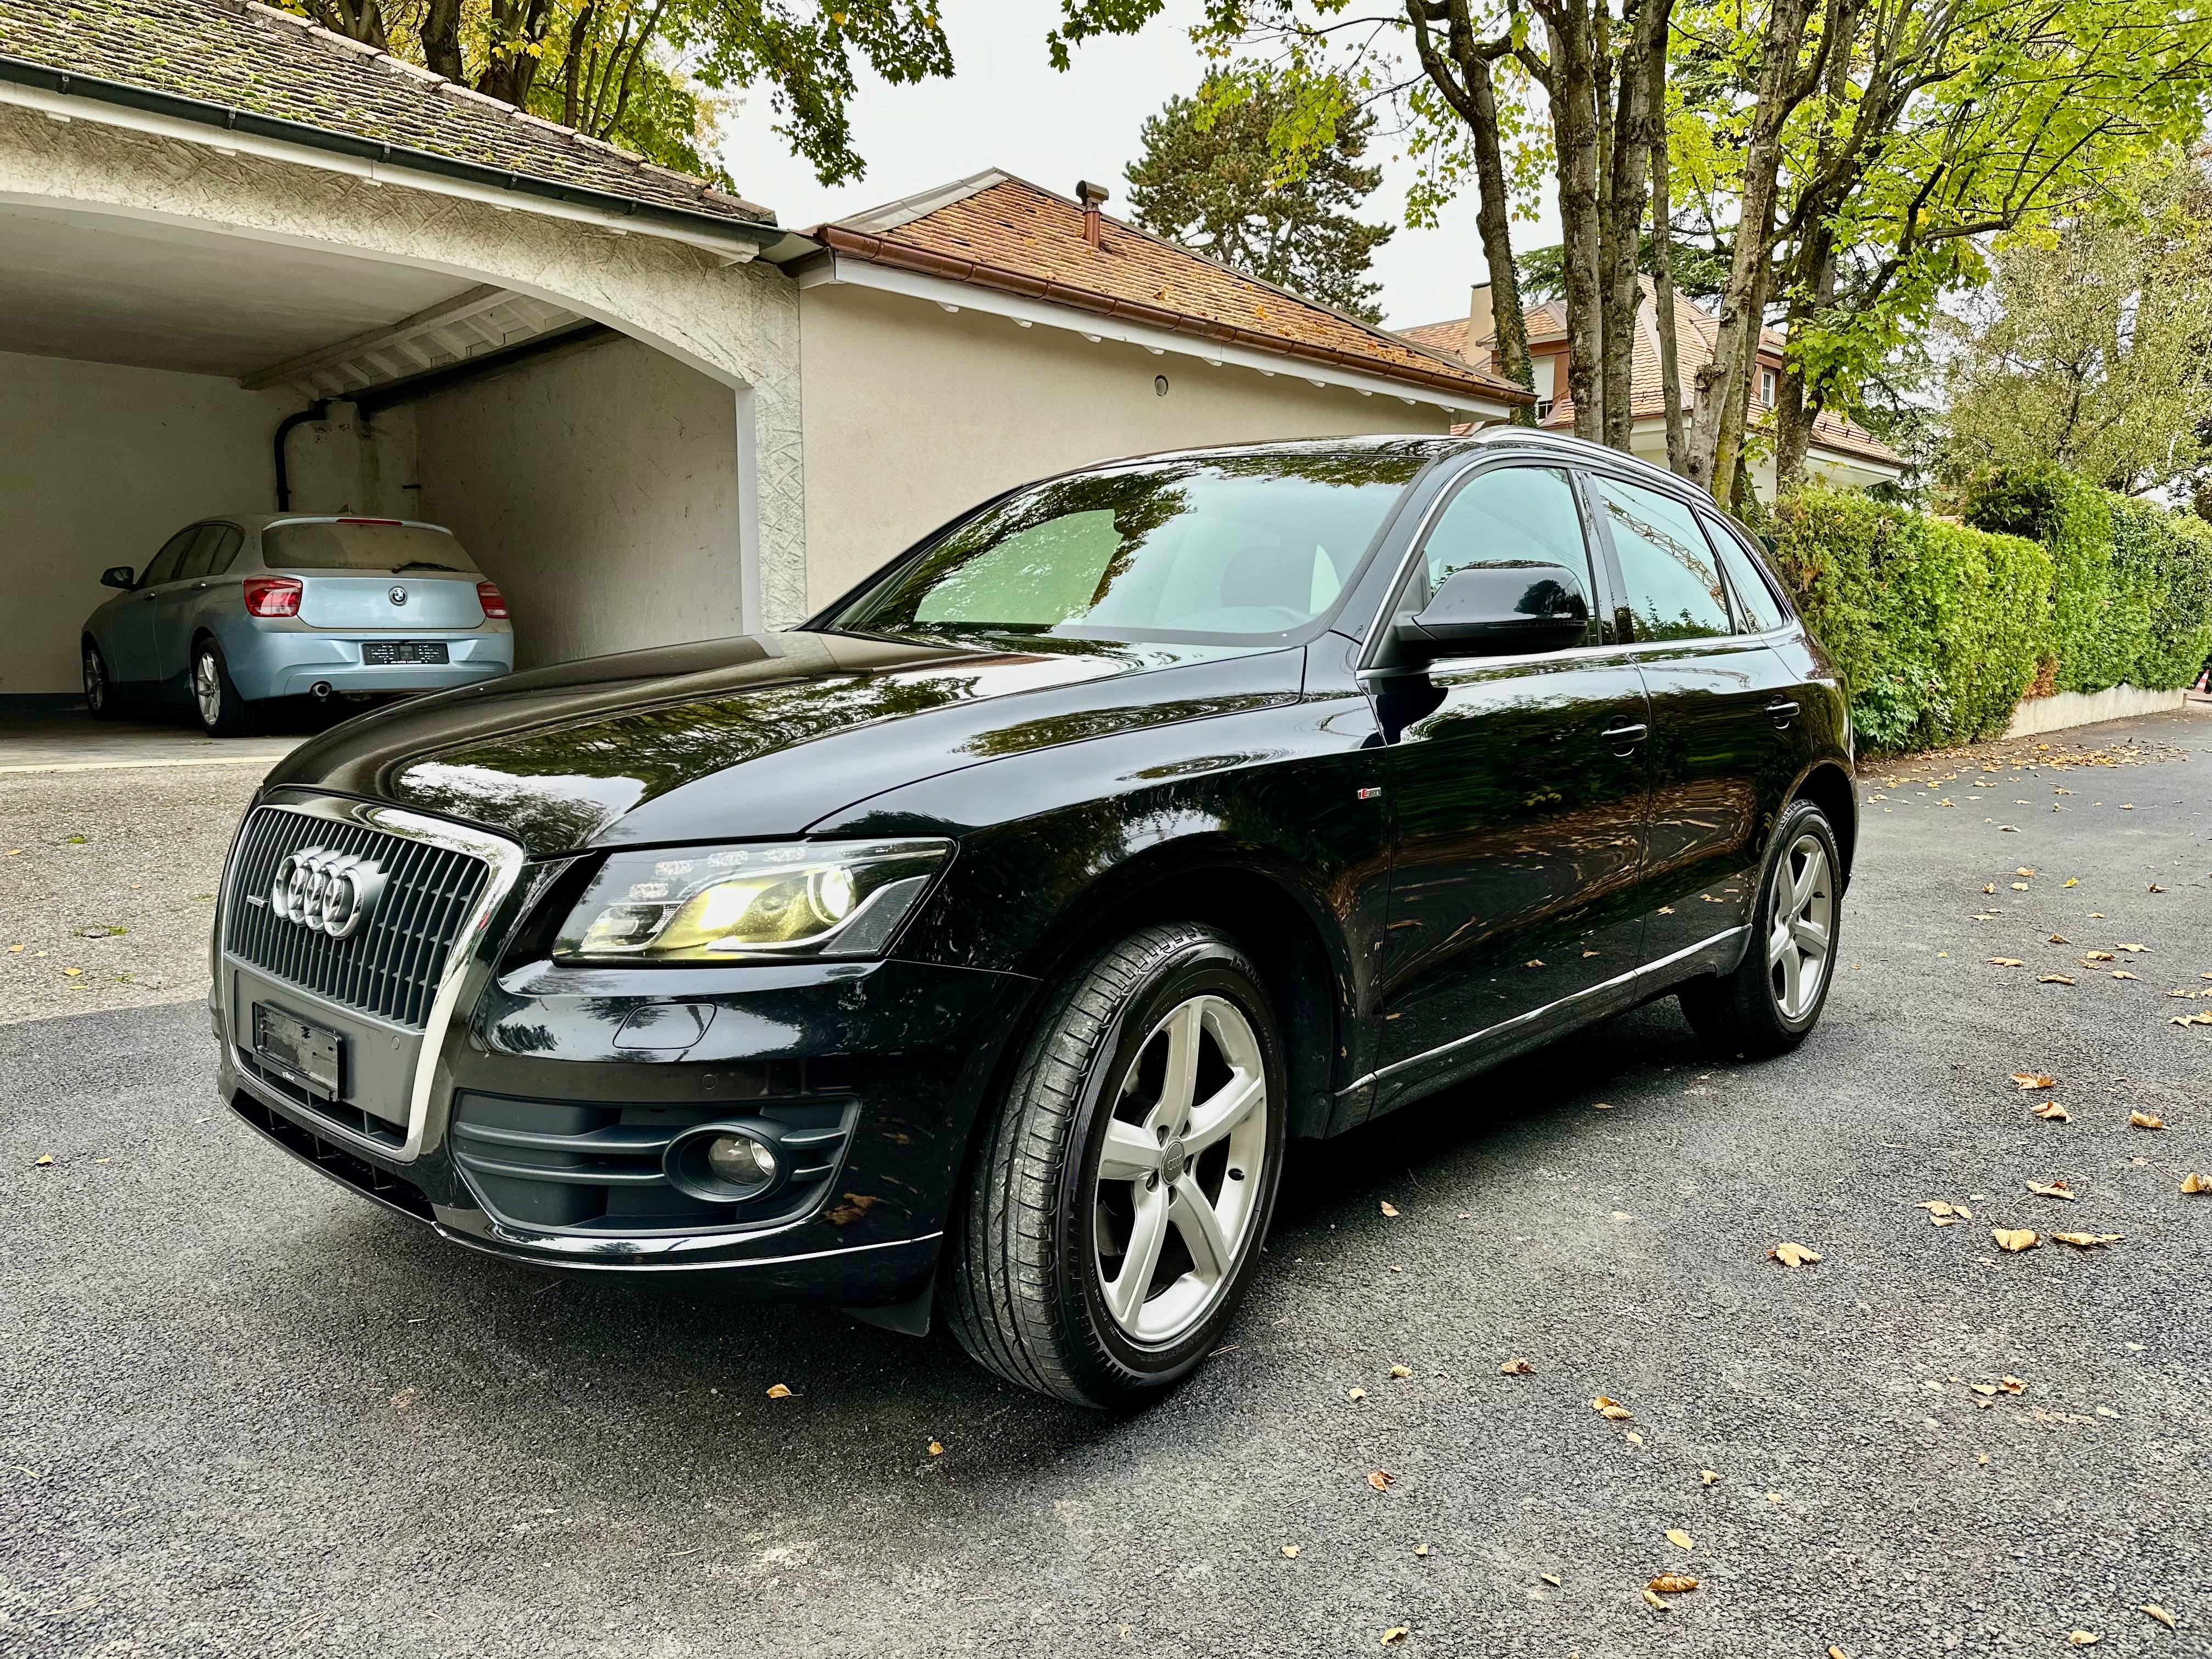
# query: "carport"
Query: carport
{"points": [[417, 304]]}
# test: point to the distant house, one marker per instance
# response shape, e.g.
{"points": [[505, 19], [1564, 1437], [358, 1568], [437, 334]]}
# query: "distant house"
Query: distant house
{"points": [[990, 332], [1842, 452]]}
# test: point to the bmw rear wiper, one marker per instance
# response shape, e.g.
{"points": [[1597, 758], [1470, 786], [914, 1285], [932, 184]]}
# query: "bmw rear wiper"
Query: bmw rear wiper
{"points": [[421, 564]]}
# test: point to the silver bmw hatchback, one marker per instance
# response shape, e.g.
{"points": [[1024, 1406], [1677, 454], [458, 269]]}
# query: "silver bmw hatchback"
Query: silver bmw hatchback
{"points": [[237, 611]]}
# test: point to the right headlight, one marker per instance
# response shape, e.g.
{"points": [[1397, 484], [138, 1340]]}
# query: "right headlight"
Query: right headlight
{"points": [[839, 899]]}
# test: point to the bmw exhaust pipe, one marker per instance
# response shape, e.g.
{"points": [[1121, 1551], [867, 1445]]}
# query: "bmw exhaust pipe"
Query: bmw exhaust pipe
{"points": [[320, 690]]}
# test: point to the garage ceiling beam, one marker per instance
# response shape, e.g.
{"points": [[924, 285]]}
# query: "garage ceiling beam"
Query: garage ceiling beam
{"points": [[434, 336]]}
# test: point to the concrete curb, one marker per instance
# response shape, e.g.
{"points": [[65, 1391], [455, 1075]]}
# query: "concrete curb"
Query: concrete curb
{"points": [[2066, 708]]}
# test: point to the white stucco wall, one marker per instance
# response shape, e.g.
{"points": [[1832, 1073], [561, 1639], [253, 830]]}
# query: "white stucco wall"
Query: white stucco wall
{"points": [[914, 414], [99, 465], [596, 485]]}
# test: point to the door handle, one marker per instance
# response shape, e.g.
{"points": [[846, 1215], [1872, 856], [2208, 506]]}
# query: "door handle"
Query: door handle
{"points": [[1783, 709], [1627, 735]]}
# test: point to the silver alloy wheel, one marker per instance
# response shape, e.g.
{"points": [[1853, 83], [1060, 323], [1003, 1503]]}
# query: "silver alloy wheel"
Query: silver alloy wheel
{"points": [[1798, 940], [207, 687], [1179, 1176], [95, 681]]}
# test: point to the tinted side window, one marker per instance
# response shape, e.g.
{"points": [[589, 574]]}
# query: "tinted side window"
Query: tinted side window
{"points": [[1511, 515], [228, 541], [1754, 599], [164, 567], [195, 563], [1673, 581]]}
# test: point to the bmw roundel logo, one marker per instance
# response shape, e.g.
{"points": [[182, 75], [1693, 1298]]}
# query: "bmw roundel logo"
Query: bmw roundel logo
{"points": [[398, 596]]}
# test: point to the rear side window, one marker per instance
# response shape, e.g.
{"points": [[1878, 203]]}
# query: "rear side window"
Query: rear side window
{"points": [[1672, 580], [210, 551], [360, 545], [1754, 599], [1507, 516]]}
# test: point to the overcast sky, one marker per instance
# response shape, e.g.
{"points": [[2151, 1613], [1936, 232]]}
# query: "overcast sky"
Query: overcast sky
{"points": [[1005, 106]]}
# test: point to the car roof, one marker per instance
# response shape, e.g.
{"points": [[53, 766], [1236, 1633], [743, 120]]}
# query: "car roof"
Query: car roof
{"points": [[255, 523]]}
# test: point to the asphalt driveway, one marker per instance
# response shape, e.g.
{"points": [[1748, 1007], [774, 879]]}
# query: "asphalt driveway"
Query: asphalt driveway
{"points": [[246, 1412]]}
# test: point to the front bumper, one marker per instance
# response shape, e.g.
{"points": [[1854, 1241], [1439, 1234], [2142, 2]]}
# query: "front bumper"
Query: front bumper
{"points": [[898, 1054]]}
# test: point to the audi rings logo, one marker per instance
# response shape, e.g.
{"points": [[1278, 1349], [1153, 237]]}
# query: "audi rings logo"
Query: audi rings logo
{"points": [[333, 891]]}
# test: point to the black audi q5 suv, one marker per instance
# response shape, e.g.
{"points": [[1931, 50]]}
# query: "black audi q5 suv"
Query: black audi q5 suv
{"points": [[974, 949]]}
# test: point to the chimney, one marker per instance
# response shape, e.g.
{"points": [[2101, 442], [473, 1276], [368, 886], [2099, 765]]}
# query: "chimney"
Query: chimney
{"points": [[1091, 196], [1480, 326]]}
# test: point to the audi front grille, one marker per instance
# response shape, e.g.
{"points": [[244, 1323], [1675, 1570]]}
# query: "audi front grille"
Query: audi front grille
{"points": [[392, 964]]}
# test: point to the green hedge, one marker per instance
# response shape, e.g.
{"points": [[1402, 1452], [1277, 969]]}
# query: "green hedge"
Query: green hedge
{"points": [[1939, 628], [1936, 628], [2131, 599]]}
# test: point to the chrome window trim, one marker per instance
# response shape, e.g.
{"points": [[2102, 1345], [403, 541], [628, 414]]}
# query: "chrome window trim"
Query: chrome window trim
{"points": [[1615, 983], [505, 860]]}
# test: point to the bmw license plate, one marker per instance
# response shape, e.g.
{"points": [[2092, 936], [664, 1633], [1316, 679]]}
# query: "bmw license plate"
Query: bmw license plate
{"points": [[384, 653], [310, 1055]]}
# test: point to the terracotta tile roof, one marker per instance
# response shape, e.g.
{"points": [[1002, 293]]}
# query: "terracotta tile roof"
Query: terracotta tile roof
{"points": [[1695, 328], [238, 54], [1447, 338], [997, 231]]}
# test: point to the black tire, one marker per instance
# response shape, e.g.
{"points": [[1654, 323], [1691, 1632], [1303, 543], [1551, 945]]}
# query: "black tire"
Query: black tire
{"points": [[223, 713], [100, 699], [1747, 1013], [1023, 1290]]}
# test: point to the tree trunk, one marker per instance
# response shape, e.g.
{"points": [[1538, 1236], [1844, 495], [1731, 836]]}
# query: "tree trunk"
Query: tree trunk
{"points": [[1493, 218], [1798, 404], [1573, 90], [571, 66], [441, 37], [1663, 252], [1646, 45], [357, 19], [1724, 383]]}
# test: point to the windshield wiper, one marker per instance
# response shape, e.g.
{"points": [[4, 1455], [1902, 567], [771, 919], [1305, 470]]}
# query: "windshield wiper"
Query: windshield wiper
{"points": [[423, 564]]}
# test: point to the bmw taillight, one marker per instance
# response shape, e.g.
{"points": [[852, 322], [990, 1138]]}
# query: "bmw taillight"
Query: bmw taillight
{"points": [[272, 596], [493, 601]]}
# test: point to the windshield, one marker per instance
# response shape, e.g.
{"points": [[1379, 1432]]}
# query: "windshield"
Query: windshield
{"points": [[362, 544], [1241, 546]]}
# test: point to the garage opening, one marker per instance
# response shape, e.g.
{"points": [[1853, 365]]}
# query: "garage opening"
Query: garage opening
{"points": [[160, 374]]}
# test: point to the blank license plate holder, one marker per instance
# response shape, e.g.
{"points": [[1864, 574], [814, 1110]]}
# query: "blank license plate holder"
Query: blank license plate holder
{"points": [[310, 1055], [389, 654]]}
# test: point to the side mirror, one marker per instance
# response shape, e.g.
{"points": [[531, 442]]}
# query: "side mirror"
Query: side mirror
{"points": [[1491, 610], [117, 575]]}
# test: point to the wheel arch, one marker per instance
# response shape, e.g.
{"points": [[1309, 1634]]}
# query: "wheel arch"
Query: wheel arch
{"points": [[1829, 787]]}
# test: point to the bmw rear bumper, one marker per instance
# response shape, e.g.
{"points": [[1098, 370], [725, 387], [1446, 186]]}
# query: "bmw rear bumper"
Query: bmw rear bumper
{"points": [[291, 661]]}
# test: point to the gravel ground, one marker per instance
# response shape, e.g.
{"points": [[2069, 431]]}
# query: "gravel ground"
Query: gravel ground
{"points": [[112, 873], [247, 1412]]}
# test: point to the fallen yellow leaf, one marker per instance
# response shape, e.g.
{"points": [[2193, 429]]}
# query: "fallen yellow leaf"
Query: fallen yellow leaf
{"points": [[2137, 949], [1389, 1208], [2088, 1240], [2056, 1189], [2052, 1110], [1651, 1596], [1381, 1480], [2158, 1613], [2145, 1121], [777, 1391], [1709, 1475], [2194, 1182], [1673, 1583], [2014, 1239], [1611, 1409], [1290, 1550], [1420, 1549], [1396, 1632], [1633, 1438], [1794, 1255], [1552, 1578], [1517, 1368], [2071, 881], [2052, 979], [72, 973], [2084, 1639], [2011, 1384], [2098, 956], [2035, 1080], [1356, 1394], [1401, 1370], [1680, 1539], [936, 1449], [2122, 973], [2006, 962], [42, 1160]]}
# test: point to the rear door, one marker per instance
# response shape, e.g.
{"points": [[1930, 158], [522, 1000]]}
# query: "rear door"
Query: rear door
{"points": [[1518, 796], [1721, 708], [181, 608]]}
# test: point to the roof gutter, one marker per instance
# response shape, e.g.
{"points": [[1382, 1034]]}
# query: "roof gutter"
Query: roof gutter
{"points": [[230, 118], [877, 250]]}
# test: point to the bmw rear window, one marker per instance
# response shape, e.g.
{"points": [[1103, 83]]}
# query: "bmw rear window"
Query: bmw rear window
{"points": [[362, 544]]}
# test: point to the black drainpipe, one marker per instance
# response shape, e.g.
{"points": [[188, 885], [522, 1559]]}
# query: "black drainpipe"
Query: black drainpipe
{"points": [[315, 411]]}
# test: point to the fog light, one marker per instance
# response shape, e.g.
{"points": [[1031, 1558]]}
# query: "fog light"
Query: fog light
{"points": [[725, 1163], [740, 1161]]}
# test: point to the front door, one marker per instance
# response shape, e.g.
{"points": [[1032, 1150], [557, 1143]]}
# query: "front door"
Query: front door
{"points": [[134, 659], [1518, 799], [1722, 750]]}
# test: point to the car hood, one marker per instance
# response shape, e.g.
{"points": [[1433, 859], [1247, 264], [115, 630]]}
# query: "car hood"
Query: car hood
{"points": [[758, 735]]}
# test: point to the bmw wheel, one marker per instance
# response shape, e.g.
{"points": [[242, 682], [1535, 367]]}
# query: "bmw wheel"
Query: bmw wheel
{"points": [[1119, 1198], [1774, 998], [98, 690], [222, 711]]}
